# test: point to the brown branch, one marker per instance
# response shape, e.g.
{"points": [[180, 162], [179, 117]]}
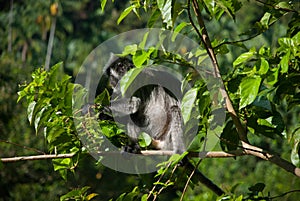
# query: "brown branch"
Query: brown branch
{"points": [[277, 7], [275, 159], [37, 157], [207, 43], [217, 154], [248, 149]]}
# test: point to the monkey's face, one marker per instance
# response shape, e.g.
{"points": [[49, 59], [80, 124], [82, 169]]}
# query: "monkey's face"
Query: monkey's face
{"points": [[118, 69]]}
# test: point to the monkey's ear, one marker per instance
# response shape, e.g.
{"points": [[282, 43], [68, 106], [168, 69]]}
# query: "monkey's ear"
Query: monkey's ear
{"points": [[113, 57], [111, 60]]}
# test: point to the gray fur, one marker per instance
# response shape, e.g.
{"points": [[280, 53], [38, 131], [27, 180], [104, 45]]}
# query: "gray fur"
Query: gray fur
{"points": [[152, 110]]}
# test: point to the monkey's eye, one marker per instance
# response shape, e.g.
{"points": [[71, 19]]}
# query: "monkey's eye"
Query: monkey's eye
{"points": [[119, 64]]}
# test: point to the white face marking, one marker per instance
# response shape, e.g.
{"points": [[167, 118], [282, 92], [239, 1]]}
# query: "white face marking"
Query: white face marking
{"points": [[115, 74]]}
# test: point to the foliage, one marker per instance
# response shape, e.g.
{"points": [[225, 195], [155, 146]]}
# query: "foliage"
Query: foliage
{"points": [[49, 99], [78, 194]]}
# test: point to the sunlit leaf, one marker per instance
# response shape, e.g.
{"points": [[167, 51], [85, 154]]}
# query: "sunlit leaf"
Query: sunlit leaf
{"points": [[284, 63], [249, 88], [243, 58], [128, 78], [144, 139], [188, 102], [165, 7], [103, 3], [125, 13], [30, 110], [178, 29]]}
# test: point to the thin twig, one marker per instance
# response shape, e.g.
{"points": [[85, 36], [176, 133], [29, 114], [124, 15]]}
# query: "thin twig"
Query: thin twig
{"points": [[278, 7], [22, 146], [284, 194], [191, 19], [189, 179]]}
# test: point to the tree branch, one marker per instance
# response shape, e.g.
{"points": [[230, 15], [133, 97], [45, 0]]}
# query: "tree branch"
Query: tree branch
{"points": [[242, 132], [247, 150], [207, 43], [37, 157], [217, 154]]}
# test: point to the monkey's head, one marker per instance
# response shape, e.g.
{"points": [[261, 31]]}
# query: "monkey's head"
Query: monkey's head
{"points": [[117, 69]]}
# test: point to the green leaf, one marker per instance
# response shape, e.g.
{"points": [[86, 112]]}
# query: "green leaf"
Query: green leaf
{"points": [[60, 164], [165, 7], [266, 19], [103, 3], [144, 139], [143, 42], [248, 90], [264, 66], [178, 29], [188, 102], [30, 110], [196, 143], [259, 187], [295, 154], [284, 63], [144, 197], [54, 132], [78, 194], [283, 4], [153, 18], [91, 196], [230, 136], [128, 78], [243, 58], [125, 13], [38, 117], [273, 77], [129, 49], [141, 57]]}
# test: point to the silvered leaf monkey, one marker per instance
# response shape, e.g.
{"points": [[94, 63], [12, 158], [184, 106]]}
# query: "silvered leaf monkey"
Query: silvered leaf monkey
{"points": [[153, 109]]}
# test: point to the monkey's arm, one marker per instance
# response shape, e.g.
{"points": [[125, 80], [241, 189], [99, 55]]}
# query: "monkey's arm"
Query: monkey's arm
{"points": [[125, 106]]}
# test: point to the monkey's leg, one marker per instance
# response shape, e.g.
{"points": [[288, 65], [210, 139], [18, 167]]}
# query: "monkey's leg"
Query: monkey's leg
{"points": [[176, 130]]}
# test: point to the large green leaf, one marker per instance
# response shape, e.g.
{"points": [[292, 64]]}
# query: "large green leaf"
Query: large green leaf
{"points": [[249, 88], [153, 18], [144, 139], [243, 58], [188, 102], [30, 111], [125, 13], [284, 63], [128, 78], [165, 7], [178, 29]]}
